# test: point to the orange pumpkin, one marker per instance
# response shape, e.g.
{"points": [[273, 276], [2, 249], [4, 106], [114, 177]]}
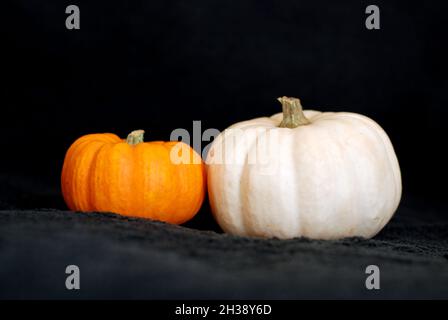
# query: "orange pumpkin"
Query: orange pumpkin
{"points": [[104, 173]]}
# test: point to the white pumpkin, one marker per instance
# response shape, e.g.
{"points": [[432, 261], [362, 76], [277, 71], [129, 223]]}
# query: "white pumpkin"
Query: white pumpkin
{"points": [[320, 175]]}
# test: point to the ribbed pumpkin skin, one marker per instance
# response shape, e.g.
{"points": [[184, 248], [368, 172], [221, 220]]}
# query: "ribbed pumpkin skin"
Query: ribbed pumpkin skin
{"points": [[103, 173]]}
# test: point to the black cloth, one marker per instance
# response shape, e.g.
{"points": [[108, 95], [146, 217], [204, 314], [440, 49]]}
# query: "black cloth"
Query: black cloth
{"points": [[130, 258]]}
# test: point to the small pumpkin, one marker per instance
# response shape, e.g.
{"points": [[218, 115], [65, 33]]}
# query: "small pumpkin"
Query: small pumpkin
{"points": [[102, 172], [320, 175]]}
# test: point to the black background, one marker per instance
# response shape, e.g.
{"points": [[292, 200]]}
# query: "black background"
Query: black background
{"points": [[159, 65]]}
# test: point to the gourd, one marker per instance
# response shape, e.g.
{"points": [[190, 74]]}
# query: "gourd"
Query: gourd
{"points": [[319, 175], [102, 172]]}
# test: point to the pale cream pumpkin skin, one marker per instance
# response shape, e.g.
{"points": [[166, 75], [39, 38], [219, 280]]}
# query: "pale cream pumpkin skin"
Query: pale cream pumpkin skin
{"points": [[335, 175]]}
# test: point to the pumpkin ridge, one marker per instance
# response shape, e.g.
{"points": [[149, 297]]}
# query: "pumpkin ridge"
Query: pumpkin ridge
{"points": [[67, 175], [90, 172], [86, 155], [345, 195], [198, 179], [120, 165], [100, 185], [143, 184], [245, 174], [74, 165], [184, 172], [392, 160]]}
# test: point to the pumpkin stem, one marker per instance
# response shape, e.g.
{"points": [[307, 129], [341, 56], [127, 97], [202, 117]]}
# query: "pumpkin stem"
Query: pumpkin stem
{"points": [[292, 113], [135, 137]]}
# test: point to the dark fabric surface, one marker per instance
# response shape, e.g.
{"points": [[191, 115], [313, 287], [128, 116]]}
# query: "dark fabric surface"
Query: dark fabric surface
{"points": [[133, 258]]}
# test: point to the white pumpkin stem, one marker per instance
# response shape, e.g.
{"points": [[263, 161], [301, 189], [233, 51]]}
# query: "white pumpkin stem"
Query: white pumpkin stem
{"points": [[135, 137], [293, 115]]}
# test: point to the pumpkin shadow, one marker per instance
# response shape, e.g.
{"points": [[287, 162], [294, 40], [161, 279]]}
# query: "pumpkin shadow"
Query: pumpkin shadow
{"points": [[204, 219]]}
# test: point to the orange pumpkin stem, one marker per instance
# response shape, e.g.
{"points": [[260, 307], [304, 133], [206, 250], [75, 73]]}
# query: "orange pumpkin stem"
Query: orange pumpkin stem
{"points": [[135, 137], [292, 113]]}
